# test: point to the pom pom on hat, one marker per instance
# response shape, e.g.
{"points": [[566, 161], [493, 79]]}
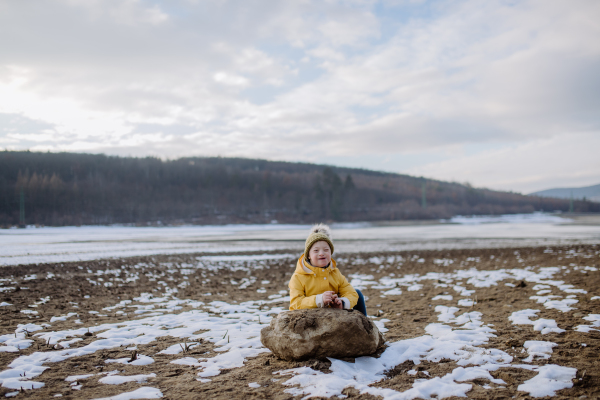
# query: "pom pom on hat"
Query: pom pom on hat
{"points": [[321, 228], [317, 233]]}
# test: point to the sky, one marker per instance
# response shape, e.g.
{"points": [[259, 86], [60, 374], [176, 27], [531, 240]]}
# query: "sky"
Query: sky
{"points": [[501, 94]]}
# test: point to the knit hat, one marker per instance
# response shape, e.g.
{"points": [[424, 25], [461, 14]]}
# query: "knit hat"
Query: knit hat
{"points": [[317, 233]]}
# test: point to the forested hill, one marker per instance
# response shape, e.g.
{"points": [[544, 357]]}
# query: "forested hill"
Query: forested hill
{"points": [[74, 189]]}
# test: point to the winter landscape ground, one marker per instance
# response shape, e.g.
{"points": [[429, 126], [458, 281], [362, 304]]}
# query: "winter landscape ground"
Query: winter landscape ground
{"points": [[487, 322]]}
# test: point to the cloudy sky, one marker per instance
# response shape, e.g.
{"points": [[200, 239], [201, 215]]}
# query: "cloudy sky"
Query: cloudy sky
{"points": [[501, 94]]}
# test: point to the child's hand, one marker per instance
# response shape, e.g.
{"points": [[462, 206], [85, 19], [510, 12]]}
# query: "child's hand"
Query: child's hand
{"points": [[337, 303], [329, 297]]}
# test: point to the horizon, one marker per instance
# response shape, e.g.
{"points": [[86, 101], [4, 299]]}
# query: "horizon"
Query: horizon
{"points": [[502, 96], [310, 163]]}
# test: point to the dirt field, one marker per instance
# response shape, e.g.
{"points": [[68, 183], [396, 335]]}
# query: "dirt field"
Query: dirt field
{"points": [[105, 288]]}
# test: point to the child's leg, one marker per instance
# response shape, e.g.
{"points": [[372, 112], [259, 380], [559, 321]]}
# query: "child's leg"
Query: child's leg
{"points": [[361, 306]]}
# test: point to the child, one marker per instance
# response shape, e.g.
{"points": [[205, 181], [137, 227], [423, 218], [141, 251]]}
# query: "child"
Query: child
{"points": [[317, 282]]}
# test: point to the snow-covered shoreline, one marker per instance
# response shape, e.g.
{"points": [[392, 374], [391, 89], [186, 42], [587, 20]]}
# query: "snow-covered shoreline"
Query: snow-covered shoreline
{"points": [[65, 244]]}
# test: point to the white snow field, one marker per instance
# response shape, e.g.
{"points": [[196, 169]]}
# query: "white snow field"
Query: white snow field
{"points": [[459, 335], [51, 245]]}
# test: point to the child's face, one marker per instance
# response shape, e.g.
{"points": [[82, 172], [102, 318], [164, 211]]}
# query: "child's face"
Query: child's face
{"points": [[320, 254]]}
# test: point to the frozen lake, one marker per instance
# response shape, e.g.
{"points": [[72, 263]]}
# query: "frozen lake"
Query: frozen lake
{"points": [[43, 245]]}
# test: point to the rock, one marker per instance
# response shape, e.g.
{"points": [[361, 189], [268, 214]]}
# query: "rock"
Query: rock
{"points": [[321, 332]]}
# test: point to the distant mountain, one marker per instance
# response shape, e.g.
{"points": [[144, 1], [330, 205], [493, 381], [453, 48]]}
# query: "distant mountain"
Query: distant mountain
{"points": [[591, 193]]}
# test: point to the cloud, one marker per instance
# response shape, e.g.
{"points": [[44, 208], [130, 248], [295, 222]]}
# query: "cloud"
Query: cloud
{"points": [[357, 82], [231, 79], [527, 167]]}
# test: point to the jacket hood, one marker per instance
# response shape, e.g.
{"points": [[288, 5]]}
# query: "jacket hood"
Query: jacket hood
{"points": [[303, 267]]}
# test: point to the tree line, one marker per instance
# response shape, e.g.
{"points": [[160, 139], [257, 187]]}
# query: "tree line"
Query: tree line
{"points": [[76, 189]]}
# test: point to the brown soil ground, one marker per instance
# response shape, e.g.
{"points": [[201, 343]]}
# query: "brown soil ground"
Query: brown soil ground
{"points": [[408, 313]]}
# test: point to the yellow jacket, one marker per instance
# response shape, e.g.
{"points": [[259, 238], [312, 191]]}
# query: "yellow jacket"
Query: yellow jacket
{"points": [[308, 282]]}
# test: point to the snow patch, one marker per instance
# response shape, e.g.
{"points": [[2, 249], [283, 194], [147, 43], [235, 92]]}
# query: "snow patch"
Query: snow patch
{"points": [[543, 325], [141, 393], [595, 319], [539, 349], [549, 379], [119, 379]]}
